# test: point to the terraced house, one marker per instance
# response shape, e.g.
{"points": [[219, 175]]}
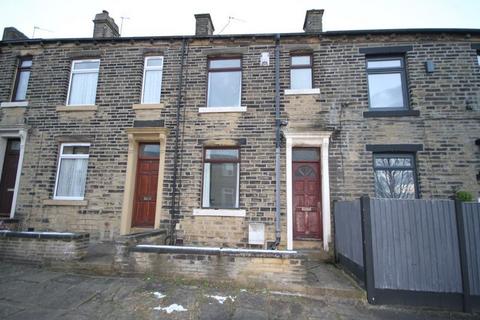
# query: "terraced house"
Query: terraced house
{"points": [[239, 140]]}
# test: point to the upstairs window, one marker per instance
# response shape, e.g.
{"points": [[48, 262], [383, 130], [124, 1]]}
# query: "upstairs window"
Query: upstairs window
{"points": [[152, 80], [221, 178], [21, 80], [83, 82], [301, 72], [224, 82], [72, 171], [387, 88], [395, 176]]}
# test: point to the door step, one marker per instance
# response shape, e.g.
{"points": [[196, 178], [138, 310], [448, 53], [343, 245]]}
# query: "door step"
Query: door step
{"points": [[307, 244]]}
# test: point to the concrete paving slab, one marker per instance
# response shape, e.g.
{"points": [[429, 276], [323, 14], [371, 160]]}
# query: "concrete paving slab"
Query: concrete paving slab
{"points": [[80, 297]]}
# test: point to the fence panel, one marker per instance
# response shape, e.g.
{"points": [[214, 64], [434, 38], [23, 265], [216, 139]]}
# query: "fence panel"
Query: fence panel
{"points": [[348, 230], [471, 221], [415, 245]]}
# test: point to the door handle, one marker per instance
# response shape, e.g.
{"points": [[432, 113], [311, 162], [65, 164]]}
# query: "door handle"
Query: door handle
{"points": [[10, 189]]}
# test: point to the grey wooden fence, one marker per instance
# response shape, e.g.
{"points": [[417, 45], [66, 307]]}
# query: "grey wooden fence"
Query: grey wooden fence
{"points": [[471, 224], [420, 252], [348, 236]]}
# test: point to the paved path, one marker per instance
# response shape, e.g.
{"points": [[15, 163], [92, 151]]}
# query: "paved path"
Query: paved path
{"points": [[34, 293]]}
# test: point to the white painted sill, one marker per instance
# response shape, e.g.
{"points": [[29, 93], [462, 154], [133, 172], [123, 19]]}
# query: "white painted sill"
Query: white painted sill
{"points": [[73, 108], [221, 109], [58, 202], [220, 212], [14, 104], [291, 92]]}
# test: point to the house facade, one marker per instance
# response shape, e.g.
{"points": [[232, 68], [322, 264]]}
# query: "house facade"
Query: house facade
{"points": [[233, 140]]}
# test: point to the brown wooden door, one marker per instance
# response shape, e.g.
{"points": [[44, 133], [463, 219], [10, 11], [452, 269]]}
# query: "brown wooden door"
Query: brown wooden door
{"points": [[146, 183], [9, 176], [306, 201]]}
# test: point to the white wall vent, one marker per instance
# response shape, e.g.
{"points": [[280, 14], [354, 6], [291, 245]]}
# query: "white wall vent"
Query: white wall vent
{"points": [[256, 233], [265, 59]]}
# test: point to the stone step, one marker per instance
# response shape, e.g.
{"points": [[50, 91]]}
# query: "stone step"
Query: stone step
{"points": [[316, 255]]}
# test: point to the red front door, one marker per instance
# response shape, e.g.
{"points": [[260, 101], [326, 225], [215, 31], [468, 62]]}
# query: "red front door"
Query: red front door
{"points": [[146, 184], [306, 194], [9, 176]]}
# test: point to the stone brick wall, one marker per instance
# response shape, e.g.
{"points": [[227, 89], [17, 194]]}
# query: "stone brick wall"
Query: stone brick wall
{"points": [[448, 124], [281, 272], [33, 247]]}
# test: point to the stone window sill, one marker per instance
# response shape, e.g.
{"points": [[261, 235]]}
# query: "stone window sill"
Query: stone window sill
{"points": [[221, 109], [291, 92], [77, 108], [219, 212], [144, 106], [390, 113], [55, 202], [14, 104]]}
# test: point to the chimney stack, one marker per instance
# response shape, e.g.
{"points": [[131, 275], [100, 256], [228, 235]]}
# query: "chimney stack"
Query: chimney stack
{"points": [[204, 25], [11, 33], [104, 26], [313, 21]]}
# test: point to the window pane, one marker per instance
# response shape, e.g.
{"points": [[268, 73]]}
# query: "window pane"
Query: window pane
{"points": [[26, 63], [75, 149], [86, 65], [301, 78], [150, 150], [224, 89], [22, 85], [226, 154], [155, 62], [222, 179], [83, 88], [306, 154], [300, 60], [71, 178], [372, 64], [393, 162], [385, 90], [397, 184], [227, 63], [152, 87]]}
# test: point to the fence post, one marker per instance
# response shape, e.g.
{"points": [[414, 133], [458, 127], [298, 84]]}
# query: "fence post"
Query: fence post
{"points": [[367, 249], [467, 305]]}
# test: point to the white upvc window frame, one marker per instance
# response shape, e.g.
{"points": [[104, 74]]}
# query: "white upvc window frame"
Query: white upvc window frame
{"points": [[72, 71], [154, 68], [69, 156], [238, 106]]}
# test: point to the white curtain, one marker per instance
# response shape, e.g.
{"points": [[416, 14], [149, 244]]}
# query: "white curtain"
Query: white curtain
{"points": [[83, 88], [71, 178], [152, 86]]}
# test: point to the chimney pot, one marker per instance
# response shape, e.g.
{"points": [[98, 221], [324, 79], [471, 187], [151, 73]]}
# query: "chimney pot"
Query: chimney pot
{"points": [[104, 26], [203, 25], [11, 33], [313, 20]]}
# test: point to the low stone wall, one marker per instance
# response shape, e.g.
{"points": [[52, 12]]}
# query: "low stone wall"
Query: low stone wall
{"points": [[42, 247], [272, 269], [123, 260]]}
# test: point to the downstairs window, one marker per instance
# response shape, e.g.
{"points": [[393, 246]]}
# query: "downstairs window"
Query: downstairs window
{"points": [[221, 178], [395, 176], [72, 171]]}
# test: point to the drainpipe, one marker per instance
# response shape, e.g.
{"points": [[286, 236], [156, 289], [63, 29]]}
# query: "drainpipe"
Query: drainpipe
{"points": [[171, 238], [278, 124]]}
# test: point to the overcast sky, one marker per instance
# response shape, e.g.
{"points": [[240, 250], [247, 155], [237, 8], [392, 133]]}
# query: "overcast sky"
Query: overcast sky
{"points": [[64, 18]]}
